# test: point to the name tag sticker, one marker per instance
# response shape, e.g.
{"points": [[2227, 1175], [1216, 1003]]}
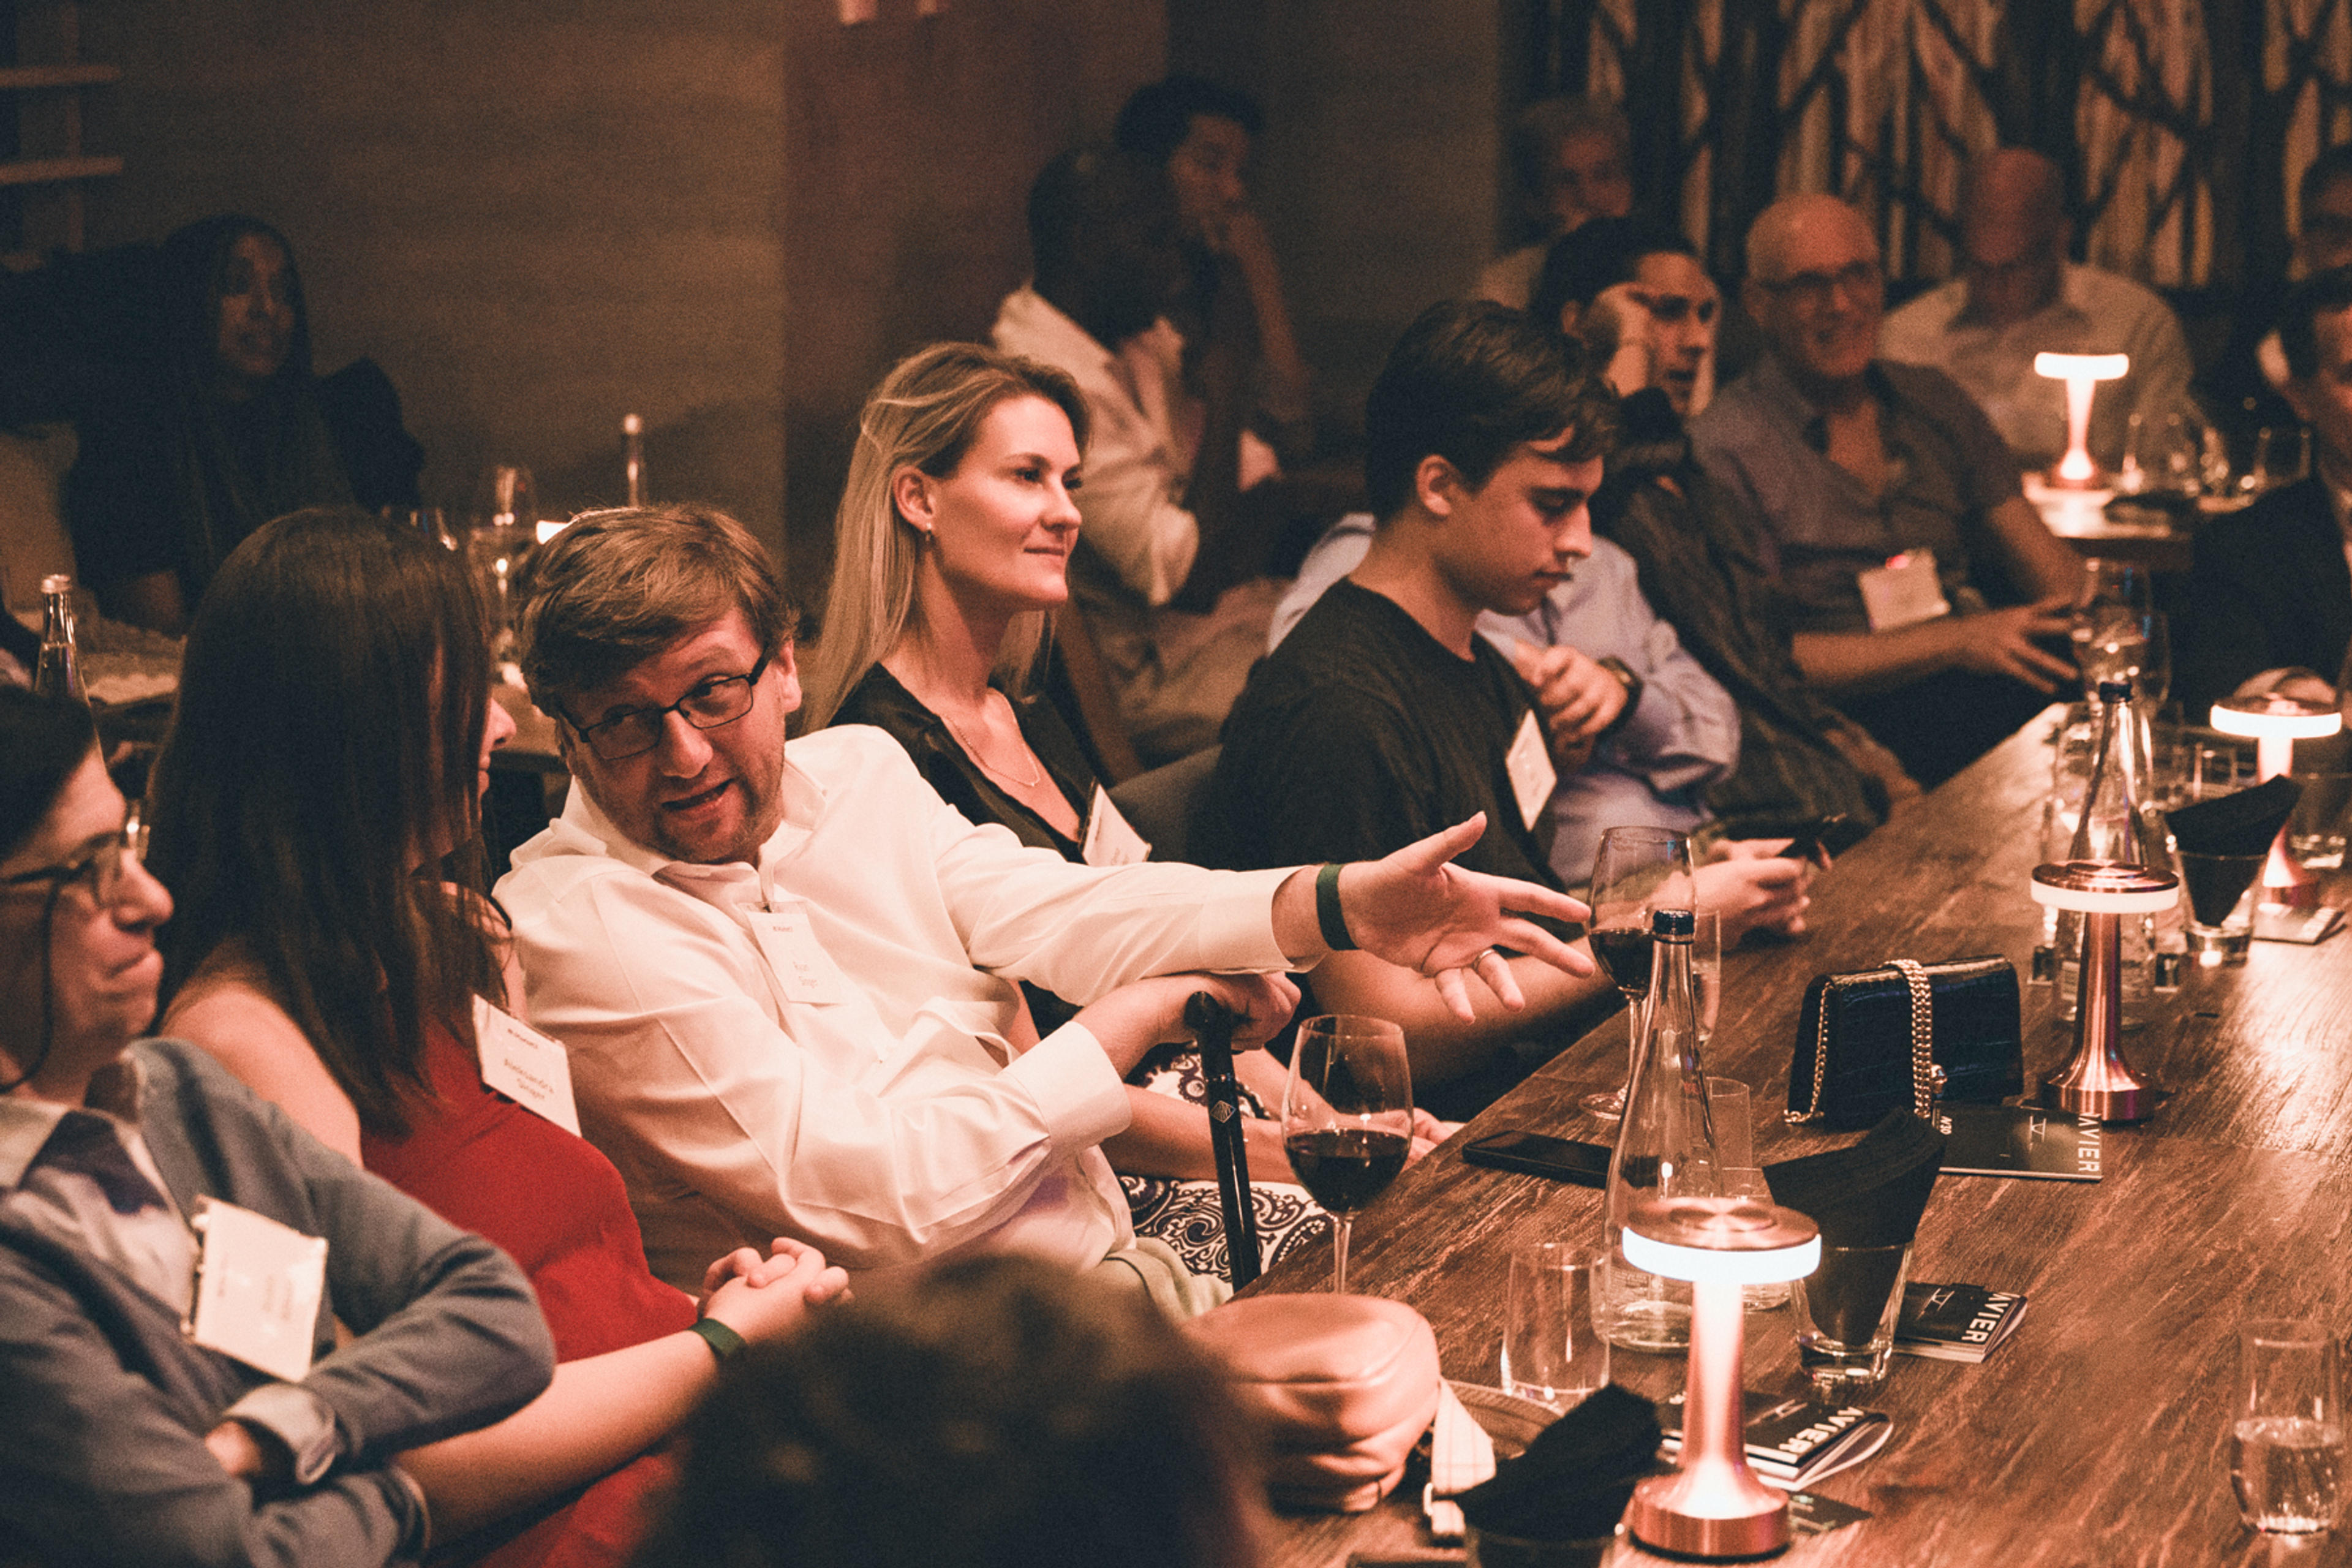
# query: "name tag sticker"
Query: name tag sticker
{"points": [[1110, 839], [524, 1065], [1903, 592], [804, 971], [258, 1289], [1528, 762]]}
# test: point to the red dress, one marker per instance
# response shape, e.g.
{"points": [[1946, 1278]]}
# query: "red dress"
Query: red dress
{"points": [[557, 1207]]}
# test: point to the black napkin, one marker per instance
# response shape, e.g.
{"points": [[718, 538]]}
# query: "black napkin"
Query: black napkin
{"points": [[1575, 1479], [2239, 824], [1871, 1193]]}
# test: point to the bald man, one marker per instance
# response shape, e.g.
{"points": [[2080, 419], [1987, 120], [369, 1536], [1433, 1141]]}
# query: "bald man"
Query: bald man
{"points": [[1924, 594], [2017, 296]]}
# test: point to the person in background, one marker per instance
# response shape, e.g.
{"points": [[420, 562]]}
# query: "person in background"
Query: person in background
{"points": [[1637, 298], [1572, 161], [1035, 1418], [2244, 386], [186, 369], [788, 977], [1203, 134], [2270, 587], [333, 734], [950, 552], [1384, 710], [1928, 598], [2017, 296], [122, 1439], [1168, 572]]}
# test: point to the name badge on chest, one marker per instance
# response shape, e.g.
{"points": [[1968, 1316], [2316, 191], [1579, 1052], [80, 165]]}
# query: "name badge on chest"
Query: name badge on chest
{"points": [[1110, 839], [805, 972], [1528, 762], [1903, 592], [259, 1284], [524, 1065]]}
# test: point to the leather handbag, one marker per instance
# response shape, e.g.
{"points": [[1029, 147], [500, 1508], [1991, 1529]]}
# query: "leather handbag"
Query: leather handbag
{"points": [[1870, 1040], [1341, 1386]]}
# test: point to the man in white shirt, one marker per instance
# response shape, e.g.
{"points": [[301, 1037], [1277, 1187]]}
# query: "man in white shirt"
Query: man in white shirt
{"points": [[1167, 569], [2017, 296], [787, 983]]}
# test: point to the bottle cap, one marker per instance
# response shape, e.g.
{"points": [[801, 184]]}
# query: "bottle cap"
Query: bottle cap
{"points": [[1672, 922], [2115, 690], [56, 583]]}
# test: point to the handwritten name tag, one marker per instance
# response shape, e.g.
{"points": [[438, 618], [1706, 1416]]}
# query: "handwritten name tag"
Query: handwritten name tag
{"points": [[804, 971], [524, 1065], [1903, 592], [258, 1289], [1110, 840], [1528, 762]]}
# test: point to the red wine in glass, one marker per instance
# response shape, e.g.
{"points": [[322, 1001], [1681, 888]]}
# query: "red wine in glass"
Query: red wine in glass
{"points": [[1637, 871], [1346, 1167], [1626, 955], [1347, 1117]]}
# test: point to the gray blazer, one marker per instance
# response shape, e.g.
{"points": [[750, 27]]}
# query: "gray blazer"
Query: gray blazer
{"points": [[104, 1404]]}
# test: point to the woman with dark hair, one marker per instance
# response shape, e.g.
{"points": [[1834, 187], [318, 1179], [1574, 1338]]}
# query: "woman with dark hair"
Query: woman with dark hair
{"points": [[125, 1438], [204, 419], [992, 1412], [323, 771]]}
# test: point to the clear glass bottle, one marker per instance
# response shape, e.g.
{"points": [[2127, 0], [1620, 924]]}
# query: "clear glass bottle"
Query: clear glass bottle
{"points": [[2119, 823], [1665, 1146], [58, 672]]}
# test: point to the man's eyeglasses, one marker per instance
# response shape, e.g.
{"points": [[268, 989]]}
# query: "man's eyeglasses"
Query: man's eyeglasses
{"points": [[102, 867], [721, 699], [1813, 290]]}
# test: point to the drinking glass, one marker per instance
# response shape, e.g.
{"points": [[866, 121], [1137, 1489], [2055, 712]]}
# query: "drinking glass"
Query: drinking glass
{"points": [[1347, 1117], [1637, 872], [2152, 678], [1748, 1182], [2282, 455], [2161, 457], [429, 521], [2286, 1434], [2221, 923], [2316, 833], [500, 531], [1551, 1353], [1846, 1312], [1706, 974]]}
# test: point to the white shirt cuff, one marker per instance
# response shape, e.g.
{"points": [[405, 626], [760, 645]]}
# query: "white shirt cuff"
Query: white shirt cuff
{"points": [[1237, 922], [298, 1418], [1075, 1089]]}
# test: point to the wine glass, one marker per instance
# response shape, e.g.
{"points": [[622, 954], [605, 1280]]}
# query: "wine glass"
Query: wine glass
{"points": [[1706, 969], [500, 532], [1347, 1117], [1638, 871]]}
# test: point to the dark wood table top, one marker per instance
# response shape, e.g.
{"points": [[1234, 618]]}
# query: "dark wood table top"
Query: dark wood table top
{"points": [[2098, 1433]]}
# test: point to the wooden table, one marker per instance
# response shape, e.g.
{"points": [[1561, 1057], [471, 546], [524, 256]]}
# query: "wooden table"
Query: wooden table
{"points": [[2098, 1433]]}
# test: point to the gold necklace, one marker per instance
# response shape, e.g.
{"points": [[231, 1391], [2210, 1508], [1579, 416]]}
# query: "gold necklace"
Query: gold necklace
{"points": [[990, 768]]}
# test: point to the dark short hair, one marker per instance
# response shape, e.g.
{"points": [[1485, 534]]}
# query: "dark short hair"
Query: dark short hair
{"points": [[1469, 381], [616, 587], [2321, 294], [993, 1411], [1598, 254], [1084, 192], [2334, 165], [42, 742], [1158, 117]]}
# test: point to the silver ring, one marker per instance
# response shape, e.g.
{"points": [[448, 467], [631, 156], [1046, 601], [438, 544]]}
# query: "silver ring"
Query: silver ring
{"points": [[1483, 955]]}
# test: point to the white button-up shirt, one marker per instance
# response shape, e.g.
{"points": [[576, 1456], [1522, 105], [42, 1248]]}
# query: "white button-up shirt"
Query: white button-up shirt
{"points": [[899, 1121]]}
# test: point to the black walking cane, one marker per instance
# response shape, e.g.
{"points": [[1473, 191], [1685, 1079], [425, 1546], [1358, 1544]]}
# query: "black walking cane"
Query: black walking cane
{"points": [[1212, 1025]]}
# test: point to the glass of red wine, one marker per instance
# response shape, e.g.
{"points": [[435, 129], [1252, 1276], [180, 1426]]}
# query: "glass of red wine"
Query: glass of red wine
{"points": [[1638, 871], [1347, 1117]]}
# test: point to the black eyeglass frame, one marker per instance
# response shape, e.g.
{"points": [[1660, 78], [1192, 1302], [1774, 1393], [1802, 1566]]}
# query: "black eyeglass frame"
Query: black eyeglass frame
{"points": [[102, 866], [701, 691]]}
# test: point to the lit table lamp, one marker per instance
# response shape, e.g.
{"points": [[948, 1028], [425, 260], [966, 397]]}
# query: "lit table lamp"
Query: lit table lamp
{"points": [[1713, 1505], [2099, 1082], [2277, 722], [2082, 374]]}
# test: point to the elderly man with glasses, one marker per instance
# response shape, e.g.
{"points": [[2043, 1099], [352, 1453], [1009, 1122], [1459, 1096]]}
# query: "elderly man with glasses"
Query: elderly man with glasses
{"points": [[786, 979], [1923, 592]]}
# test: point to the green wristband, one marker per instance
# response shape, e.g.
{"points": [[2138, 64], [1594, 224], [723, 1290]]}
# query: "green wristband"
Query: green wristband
{"points": [[724, 1341], [1327, 910]]}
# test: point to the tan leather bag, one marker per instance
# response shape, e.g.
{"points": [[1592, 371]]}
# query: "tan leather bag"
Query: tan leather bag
{"points": [[1342, 1387]]}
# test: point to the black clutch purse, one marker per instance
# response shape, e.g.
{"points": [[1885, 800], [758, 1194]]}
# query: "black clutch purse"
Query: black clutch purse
{"points": [[1874, 1040]]}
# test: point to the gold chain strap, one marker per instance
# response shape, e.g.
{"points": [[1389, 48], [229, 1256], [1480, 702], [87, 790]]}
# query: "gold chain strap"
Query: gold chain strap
{"points": [[1924, 1075]]}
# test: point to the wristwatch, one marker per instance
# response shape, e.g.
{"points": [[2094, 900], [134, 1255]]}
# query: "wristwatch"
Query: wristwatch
{"points": [[1630, 682]]}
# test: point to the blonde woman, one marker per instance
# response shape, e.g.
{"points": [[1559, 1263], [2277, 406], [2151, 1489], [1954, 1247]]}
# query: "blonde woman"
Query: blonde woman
{"points": [[949, 556]]}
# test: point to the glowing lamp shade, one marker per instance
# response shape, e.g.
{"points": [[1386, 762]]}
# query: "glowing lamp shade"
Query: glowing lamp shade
{"points": [[2277, 722], [2082, 374], [1713, 1505]]}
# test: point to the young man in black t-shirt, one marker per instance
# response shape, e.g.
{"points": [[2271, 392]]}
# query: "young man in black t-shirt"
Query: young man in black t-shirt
{"points": [[1384, 711]]}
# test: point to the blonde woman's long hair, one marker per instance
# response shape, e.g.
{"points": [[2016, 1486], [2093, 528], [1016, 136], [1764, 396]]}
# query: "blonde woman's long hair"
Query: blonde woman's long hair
{"points": [[925, 414]]}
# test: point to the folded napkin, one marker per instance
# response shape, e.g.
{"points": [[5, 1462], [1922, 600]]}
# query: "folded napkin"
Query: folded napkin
{"points": [[2239, 824], [1870, 1193], [1575, 1479]]}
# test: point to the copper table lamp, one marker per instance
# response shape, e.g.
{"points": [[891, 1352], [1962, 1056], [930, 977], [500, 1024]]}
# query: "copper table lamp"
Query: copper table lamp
{"points": [[2277, 722], [2082, 374], [1713, 1505], [2099, 1082]]}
